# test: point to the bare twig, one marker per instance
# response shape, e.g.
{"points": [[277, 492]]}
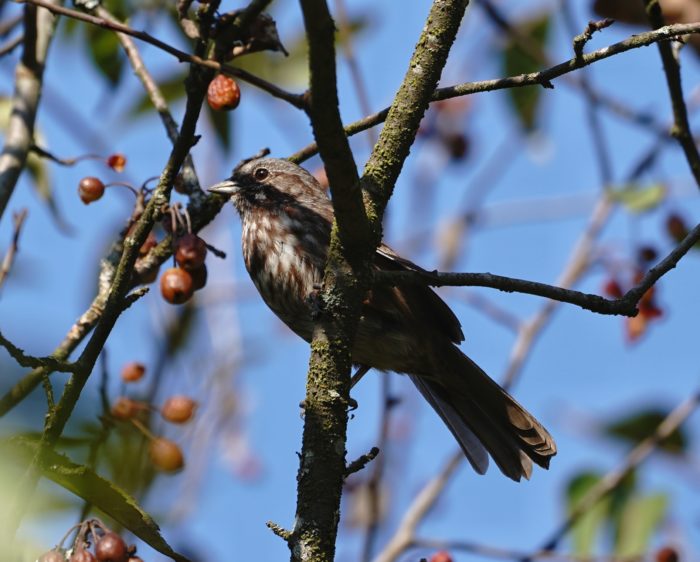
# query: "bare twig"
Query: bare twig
{"points": [[583, 38], [10, 45], [18, 220], [543, 77], [681, 126], [635, 457], [625, 305], [297, 100], [426, 498], [361, 462], [25, 360]]}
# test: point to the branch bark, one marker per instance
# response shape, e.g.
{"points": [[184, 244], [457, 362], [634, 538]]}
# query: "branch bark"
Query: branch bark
{"points": [[38, 32]]}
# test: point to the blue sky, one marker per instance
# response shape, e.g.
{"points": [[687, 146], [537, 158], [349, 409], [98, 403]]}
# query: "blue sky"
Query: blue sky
{"points": [[580, 371]]}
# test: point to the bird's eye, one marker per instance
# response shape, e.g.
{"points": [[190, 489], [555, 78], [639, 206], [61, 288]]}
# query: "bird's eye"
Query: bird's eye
{"points": [[261, 174]]}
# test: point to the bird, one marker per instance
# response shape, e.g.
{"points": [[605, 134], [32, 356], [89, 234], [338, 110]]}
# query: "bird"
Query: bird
{"points": [[286, 220]]}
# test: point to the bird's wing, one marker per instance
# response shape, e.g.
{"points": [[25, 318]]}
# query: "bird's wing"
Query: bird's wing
{"points": [[424, 303]]}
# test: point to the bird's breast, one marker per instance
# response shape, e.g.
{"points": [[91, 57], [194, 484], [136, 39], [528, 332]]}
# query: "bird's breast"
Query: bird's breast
{"points": [[284, 269]]}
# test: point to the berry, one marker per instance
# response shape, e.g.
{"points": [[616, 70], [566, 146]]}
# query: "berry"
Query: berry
{"points": [[133, 371], [82, 555], [52, 556], [176, 285], [178, 409], [647, 254], [191, 251], [612, 289], [223, 93], [116, 162], [111, 548], [90, 189], [666, 554], [456, 144], [441, 556], [125, 408], [166, 455], [199, 277], [676, 227], [150, 242]]}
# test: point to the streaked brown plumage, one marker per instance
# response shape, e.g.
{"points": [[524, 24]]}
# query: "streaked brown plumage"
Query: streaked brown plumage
{"points": [[287, 220]]}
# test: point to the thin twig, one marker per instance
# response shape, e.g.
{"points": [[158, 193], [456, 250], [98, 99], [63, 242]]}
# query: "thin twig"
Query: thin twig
{"points": [[635, 457], [426, 498], [18, 221], [25, 360], [681, 126], [297, 100], [625, 305], [543, 77]]}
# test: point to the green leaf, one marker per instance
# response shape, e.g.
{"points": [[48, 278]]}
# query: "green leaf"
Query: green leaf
{"points": [[172, 89], [293, 70], [85, 483], [642, 424], [520, 56], [639, 199], [105, 53], [640, 518], [587, 528], [221, 122]]}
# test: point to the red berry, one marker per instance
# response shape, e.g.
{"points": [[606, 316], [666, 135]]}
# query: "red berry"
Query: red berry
{"points": [[134, 371], [612, 289], [52, 556], [82, 555], [676, 227], [178, 409], [191, 251], [111, 548], [90, 189], [150, 242], [116, 162], [223, 93], [647, 254], [166, 455], [456, 144], [441, 556], [125, 408], [199, 277], [176, 285], [667, 554]]}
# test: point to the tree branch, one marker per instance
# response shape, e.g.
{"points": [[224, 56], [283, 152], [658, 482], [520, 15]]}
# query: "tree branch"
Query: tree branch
{"points": [[19, 136], [625, 305], [544, 77], [672, 69], [409, 105], [294, 99], [322, 460], [18, 220]]}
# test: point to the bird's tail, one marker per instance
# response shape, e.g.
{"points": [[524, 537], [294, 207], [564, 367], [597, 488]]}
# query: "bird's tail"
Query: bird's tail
{"points": [[484, 417]]}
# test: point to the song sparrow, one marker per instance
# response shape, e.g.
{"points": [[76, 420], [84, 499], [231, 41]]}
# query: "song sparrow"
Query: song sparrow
{"points": [[287, 219]]}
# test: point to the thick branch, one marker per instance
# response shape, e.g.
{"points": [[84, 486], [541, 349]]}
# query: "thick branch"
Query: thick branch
{"points": [[410, 103], [322, 463], [38, 32], [543, 78]]}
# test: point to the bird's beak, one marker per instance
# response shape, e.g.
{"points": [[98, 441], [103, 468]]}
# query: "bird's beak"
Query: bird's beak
{"points": [[226, 187]]}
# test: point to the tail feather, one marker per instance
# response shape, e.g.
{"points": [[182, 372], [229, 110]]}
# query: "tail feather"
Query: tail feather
{"points": [[474, 406]]}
